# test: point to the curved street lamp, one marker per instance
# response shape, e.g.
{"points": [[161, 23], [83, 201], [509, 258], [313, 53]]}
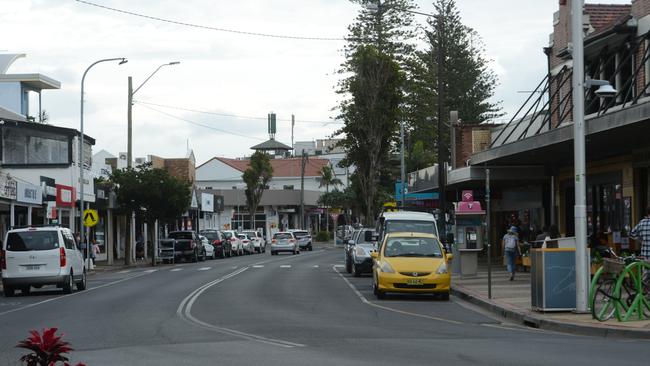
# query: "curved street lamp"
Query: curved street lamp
{"points": [[122, 61]]}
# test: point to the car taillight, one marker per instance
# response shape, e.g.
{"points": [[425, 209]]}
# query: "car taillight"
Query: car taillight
{"points": [[233, 240], [216, 242], [274, 241], [62, 258], [3, 261], [292, 241]]}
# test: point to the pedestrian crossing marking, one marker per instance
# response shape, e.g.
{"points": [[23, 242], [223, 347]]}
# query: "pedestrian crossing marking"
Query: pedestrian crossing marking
{"points": [[258, 266], [315, 266], [285, 266], [176, 269], [339, 265], [125, 271], [150, 270], [204, 269]]}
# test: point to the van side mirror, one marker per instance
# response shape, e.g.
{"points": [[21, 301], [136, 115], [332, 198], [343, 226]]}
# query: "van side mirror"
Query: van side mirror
{"points": [[374, 255]]}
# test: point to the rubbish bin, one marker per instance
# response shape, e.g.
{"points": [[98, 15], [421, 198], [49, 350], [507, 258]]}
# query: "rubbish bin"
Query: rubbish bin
{"points": [[553, 279]]}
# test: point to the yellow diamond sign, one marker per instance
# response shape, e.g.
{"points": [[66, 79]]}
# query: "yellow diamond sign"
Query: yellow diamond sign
{"points": [[91, 218]]}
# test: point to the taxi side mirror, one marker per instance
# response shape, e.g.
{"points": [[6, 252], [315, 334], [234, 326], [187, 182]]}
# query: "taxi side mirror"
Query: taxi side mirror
{"points": [[374, 255], [450, 256]]}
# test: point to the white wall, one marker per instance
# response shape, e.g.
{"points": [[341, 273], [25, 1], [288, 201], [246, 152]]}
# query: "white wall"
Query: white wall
{"points": [[216, 170], [10, 96]]}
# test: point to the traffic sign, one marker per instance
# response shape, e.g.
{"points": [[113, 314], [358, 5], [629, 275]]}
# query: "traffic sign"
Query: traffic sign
{"points": [[91, 218]]}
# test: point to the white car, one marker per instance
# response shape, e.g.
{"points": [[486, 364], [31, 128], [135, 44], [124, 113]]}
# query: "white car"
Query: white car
{"points": [[235, 242], [208, 249], [247, 243], [258, 242], [41, 256]]}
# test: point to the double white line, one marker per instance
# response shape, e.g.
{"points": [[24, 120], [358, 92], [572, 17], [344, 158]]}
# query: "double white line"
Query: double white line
{"points": [[185, 312]]}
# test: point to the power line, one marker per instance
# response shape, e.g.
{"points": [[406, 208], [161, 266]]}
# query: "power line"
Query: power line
{"points": [[209, 27], [232, 115], [201, 124]]}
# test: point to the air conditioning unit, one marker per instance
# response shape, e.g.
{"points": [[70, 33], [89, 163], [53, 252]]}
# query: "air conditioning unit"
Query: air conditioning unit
{"points": [[140, 161], [122, 156]]}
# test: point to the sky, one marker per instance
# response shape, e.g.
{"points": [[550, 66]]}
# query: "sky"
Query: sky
{"points": [[229, 74]]}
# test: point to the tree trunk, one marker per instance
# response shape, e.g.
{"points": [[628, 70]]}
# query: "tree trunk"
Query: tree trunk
{"points": [[252, 215]]}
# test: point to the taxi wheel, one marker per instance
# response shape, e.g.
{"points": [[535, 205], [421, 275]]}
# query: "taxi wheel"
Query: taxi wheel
{"points": [[379, 294]]}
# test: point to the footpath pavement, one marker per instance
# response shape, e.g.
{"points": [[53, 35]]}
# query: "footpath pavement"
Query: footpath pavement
{"points": [[512, 300]]}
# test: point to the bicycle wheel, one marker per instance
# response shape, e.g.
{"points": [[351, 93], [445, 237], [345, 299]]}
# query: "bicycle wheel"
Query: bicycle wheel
{"points": [[603, 304]]}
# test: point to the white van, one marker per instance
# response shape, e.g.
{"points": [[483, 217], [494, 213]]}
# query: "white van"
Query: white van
{"points": [[38, 256], [406, 221]]}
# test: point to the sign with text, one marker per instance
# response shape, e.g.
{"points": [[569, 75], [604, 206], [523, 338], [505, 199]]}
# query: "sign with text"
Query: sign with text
{"points": [[29, 193], [8, 187], [207, 202], [65, 196]]}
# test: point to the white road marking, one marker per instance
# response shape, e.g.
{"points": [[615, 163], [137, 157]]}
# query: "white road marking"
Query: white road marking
{"points": [[315, 266], [150, 271], [184, 311], [74, 293], [175, 269], [339, 266], [258, 266], [204, 269], [285, 266], [125, 271]]}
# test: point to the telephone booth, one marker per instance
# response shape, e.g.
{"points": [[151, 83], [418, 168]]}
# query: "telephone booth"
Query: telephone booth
{"points": [[469, 232]]}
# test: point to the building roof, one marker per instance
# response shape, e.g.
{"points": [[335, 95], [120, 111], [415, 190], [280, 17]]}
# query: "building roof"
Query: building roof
{"points": [[283, 167], [7, 114], [605, 16], [47, 128], [272, 145]]}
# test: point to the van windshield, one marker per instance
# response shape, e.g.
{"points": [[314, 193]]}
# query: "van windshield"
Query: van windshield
{"points": [[413, 247], [410, 226], [32, 240]]}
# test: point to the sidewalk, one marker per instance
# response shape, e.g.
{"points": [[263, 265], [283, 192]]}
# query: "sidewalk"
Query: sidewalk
{"points": [[512, 300], [118, 264]]}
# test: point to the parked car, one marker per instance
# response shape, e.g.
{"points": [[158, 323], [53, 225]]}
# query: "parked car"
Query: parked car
{"points": [[41, 256], [348, 246], [218, 240], [258, 240], [362, 245], [207, 247], [235, 243], [411, 262], [304, 239], [247, 243], [284, 241], [187, 245]]}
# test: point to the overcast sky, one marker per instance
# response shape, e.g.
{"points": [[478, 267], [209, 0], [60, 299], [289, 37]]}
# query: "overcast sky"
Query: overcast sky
{"points": [[228, 73]]}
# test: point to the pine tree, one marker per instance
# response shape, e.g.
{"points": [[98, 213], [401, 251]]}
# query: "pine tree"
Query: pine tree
{"points": [[468, 81]]}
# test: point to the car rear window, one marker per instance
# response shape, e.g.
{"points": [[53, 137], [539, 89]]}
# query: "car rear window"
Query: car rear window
{"points": [[282, 236], [181, 235], [32, 240], [211, 235], [300, 234]]}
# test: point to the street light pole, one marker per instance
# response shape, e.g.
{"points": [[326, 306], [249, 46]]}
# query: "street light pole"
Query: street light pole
{"points": [[131, 93], [580, 209], [81, 154], [442, 170], [402, 168]]}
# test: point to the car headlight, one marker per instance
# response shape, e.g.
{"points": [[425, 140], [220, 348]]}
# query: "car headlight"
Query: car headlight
{"points": [[442, 269], [360, 252], [385, 267]]}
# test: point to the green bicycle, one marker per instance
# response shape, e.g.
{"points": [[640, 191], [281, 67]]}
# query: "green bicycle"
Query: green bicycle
{"points": [[621, 288]]}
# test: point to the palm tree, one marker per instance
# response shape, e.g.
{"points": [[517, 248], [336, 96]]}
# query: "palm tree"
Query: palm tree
{"points": [[328, 178]]}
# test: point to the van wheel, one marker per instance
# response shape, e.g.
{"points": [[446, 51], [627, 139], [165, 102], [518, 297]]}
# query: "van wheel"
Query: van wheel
{"points": [[9, 291], [81, 285], [67, 285]]}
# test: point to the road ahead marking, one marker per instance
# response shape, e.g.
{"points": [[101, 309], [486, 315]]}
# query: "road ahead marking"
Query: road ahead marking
{"points": [[184, 311]]}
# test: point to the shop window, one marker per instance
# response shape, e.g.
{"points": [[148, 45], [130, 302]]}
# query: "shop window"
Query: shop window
{"points": [[30, 147]]}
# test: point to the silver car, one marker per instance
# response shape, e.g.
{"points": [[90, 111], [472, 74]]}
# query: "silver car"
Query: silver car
{"points": [[304, 239], [284, 241]]}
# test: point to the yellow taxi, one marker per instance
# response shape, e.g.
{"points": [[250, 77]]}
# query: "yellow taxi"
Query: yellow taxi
{"points": [[412, 263]]}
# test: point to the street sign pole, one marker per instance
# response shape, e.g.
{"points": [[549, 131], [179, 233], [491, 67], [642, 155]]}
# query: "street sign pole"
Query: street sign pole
{"points": [[487, 227]]}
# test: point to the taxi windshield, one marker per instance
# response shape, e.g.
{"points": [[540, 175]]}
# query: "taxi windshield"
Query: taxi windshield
{"points": [[413, 247]]}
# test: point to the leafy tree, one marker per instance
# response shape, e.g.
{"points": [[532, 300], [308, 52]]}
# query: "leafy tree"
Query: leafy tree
{"points": [[327, 178], [152, 193], [256, 177], [468, 81], [370, 118]]}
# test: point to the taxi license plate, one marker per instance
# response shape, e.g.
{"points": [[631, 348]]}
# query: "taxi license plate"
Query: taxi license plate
{"points": [[414, 282]]}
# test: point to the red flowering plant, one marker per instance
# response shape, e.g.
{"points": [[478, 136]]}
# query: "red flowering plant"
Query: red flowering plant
{"points": [[47, 349]]}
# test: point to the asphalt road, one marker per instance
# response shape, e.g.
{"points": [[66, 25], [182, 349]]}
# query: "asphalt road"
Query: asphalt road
{"points": [[282, 310]]}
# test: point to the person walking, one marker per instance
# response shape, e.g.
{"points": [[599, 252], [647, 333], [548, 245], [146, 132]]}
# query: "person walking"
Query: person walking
{"points": [[95, 251], [510, 244], [642, 232]]}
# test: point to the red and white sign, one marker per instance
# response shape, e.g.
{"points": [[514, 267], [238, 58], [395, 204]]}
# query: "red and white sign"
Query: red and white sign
{"points": [[51, 210], [65, 196], [468, 196]]}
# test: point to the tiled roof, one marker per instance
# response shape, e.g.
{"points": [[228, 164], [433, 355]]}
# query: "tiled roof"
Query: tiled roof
{"points": [[602, 16], [283, 167]]}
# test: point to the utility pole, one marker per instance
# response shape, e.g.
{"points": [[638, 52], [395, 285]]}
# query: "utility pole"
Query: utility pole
{"points": [[303, 162], [442, 170], [580, 209], [402, 167], [488, 230], [293, 123], [129, 124]]}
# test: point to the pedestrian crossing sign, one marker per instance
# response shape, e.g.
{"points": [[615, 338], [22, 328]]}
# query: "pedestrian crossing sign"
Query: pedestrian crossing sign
{"points": [[91, 217]]}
